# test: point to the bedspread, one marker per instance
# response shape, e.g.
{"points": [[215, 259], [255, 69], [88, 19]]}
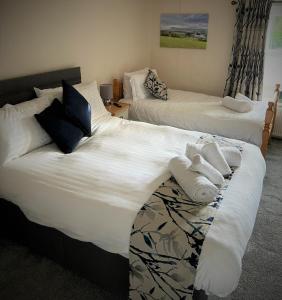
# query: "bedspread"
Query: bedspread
{"points": [[167, 238]]}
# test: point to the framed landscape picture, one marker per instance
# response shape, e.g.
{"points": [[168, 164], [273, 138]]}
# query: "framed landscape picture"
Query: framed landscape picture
{"points": [[184, 31]]}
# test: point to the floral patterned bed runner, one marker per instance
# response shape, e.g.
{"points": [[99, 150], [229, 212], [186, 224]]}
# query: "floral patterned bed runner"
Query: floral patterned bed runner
{"points": [[167, 238]]}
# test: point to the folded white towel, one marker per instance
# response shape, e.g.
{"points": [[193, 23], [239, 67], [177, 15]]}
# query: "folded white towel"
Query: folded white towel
{"points": [[193, 149], [232, 155], [241, 106], [199, 164], [196, 186], [212, 153], [240, 96]]}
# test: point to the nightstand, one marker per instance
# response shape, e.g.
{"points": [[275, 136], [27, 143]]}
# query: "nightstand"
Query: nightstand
{"points": [[120, 112]]}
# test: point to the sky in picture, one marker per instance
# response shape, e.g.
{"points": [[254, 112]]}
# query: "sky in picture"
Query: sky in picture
{"points": [[184, 21]]}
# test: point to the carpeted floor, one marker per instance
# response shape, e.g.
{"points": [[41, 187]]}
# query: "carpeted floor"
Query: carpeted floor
{"points": [[262, 264], [24, 276]]}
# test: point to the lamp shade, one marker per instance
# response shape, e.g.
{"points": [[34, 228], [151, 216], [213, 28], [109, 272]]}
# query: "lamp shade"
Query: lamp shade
{"points": [[106, 91]]}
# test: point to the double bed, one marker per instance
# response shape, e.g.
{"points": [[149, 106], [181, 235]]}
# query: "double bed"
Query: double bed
{"points": [[79, 208], [200, 112]]}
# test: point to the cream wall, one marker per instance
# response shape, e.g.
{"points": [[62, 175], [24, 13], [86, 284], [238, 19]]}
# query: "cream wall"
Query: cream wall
{"points": [[103, 37], [195, 70], [109, 37]]}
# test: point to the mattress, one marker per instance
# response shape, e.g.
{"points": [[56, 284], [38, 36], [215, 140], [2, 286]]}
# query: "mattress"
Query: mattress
{"points": [[95, 193], [200, 112]]}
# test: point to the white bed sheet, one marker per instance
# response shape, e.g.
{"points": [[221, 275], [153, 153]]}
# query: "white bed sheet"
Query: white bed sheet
{"points": [[95, 193], [195, 111]]}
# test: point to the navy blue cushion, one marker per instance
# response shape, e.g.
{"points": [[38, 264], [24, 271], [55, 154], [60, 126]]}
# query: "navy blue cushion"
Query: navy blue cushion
{"points": [[77, 108], [63, 132]]}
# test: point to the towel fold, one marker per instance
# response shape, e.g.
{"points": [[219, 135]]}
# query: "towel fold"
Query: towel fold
{"points": [[196, 186], [212, 153], [240, 96], [232, 155], [215, 157], [199, 164], [193, 149], [241, 106]]}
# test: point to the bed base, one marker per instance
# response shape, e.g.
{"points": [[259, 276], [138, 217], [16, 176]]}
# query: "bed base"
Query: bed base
{"points": [[270, 114], [107, 270]]}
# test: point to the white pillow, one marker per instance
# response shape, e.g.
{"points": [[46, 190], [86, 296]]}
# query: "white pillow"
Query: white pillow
{"points": [[137, 85], [20, 133], [127, 91], [91, 93], [88, 90], [55, 92], [241, 106], [139, 91], [51, 93]]}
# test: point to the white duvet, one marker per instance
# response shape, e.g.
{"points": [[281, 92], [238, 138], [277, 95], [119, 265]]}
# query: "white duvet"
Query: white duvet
{"points": [[195, 111], [95, 193]]}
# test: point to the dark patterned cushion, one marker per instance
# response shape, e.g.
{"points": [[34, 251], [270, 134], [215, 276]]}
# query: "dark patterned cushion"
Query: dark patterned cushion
{"points": [[155, 86], [77, 109]]}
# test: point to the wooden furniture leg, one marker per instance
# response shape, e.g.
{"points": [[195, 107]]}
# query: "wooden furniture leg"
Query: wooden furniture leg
{"points": [[269, 121]]}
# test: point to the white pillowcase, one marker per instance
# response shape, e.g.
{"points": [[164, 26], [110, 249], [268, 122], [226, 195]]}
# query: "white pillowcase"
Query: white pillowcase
{"points": [[88, 90], [139, 91], [241, 106], [20, 133], [51, 93], [127, 91]]}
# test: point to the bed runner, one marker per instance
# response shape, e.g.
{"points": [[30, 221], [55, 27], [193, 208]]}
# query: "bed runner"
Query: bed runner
{"points": [[167, 238]]}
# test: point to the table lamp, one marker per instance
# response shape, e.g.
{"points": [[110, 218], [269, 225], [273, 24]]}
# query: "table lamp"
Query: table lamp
{"points": [[106, 92]]}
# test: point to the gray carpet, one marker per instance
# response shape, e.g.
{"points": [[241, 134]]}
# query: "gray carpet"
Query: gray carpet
{"points": [[262, 264], [26, 276]]}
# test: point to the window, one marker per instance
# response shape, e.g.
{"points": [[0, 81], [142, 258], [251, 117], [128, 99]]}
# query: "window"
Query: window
{"points": [[273, 53]]}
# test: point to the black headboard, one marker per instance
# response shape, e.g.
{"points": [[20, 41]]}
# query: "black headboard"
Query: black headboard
{"points": [[17, 90]]}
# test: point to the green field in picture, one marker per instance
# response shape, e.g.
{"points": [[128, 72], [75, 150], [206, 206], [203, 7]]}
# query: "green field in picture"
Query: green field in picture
{"points": [[182, 42]]}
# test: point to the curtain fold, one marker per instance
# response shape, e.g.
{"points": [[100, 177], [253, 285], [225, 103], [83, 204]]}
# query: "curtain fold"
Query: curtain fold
{"points": [[245, 72]]}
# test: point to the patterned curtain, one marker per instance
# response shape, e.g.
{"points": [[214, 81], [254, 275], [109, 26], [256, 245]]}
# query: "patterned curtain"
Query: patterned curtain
{"points": [[245, 73]]}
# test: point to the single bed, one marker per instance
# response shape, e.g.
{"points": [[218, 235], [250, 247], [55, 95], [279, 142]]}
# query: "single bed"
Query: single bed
{"points": [[93, 195], [200, 112]]}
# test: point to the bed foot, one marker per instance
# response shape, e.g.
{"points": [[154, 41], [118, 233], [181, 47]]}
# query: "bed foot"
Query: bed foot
{"points": [[269, 121], [266, 134]]}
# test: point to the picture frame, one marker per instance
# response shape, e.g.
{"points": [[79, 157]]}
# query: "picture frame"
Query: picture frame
{"points": [[188, 31]]}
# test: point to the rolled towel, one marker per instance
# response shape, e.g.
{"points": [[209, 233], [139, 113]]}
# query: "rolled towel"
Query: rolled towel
{"points": [[196, 186], [193, 149], [212, 153], [241, 106], [240, 96], [232, 155], [199, 164]]}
